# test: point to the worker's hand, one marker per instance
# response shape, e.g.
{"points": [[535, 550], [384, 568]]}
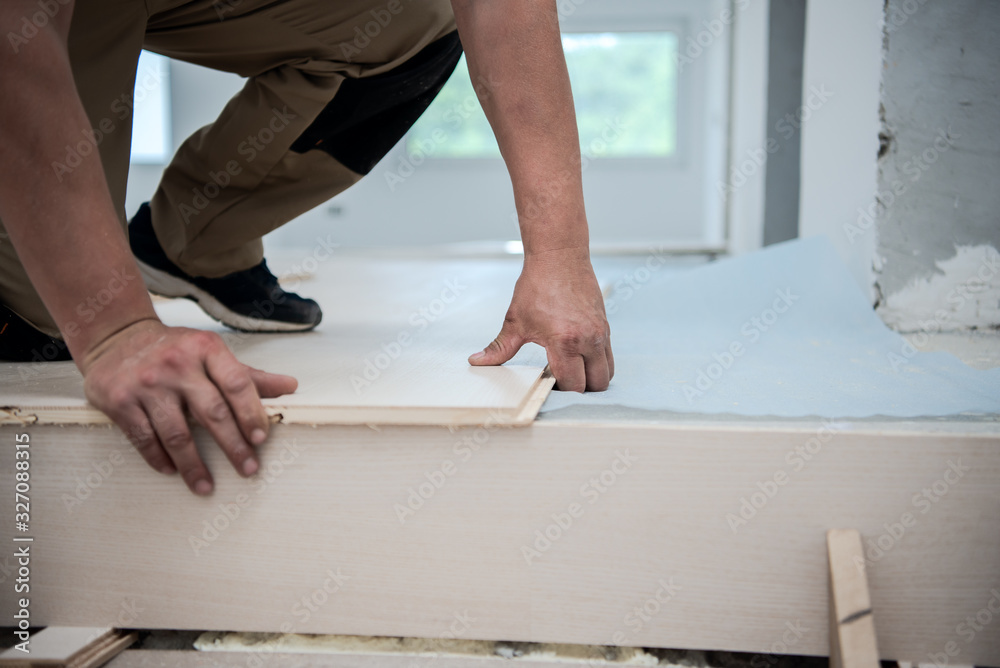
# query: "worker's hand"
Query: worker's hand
{"points": [[145, 376], [557, 304]]}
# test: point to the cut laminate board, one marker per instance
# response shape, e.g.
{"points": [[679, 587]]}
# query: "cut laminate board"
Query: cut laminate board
{"points": [[391, 349], [68, 647], [644, 535]]}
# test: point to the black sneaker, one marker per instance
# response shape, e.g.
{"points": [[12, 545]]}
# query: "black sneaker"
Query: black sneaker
{"points": [[21, 342], [248, 301]]}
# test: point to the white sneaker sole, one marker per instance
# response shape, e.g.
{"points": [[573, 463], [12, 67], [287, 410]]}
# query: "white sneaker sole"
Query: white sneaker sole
{"points": [[161, 283]]}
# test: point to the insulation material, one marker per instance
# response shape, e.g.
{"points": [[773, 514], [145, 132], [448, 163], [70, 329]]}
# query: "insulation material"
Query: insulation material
{"points": [[295, 643], [781, 332]]}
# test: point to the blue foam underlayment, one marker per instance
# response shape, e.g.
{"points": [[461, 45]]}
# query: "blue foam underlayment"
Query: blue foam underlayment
{"points": [[828, 354]]}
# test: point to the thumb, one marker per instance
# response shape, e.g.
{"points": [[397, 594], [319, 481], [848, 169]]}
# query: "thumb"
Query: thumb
{"points": [[271, 385], [502, 349]]}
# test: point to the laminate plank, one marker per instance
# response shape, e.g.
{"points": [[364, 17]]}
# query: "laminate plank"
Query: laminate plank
{"points": [[697, 537], [100, 653], [68, 647], [392, 349]]}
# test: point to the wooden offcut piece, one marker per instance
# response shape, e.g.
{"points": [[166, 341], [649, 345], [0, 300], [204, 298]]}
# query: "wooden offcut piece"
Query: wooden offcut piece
{"points": [[852, 621], [69, 647]]}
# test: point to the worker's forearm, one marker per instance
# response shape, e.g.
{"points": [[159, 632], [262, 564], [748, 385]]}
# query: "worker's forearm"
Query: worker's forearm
{"points": [[63, 225], [515, 57]]}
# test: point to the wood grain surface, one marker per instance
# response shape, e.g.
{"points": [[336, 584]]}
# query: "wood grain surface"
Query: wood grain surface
{"points": [[632, 534], [391, 349]]}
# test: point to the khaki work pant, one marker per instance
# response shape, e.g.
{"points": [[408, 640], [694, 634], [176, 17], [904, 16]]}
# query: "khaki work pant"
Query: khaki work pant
{"points": [[331, 86]]}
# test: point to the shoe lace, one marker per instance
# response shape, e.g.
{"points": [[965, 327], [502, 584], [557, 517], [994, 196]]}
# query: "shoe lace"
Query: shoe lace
{"points": [[262, 275]]}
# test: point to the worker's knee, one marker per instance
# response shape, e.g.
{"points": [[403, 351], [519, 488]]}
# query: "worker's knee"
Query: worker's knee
{"points": [[370, 114]]}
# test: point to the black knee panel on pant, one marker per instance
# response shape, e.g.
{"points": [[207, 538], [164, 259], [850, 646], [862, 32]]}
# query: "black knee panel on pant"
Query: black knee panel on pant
{"points": [[368, 116]]}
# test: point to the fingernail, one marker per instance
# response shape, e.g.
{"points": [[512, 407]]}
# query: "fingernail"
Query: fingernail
{"points": [[250, 466], [257, 436], [167, 469], [477, 356], [203, 488]]}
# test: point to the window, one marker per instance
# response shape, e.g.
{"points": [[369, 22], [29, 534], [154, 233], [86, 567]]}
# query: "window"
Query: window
{"points": [[653, 124], [630, 77], [151, 113], [651, 82]]}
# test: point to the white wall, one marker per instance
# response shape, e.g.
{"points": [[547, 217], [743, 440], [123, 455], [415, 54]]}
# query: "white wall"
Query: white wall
{"points": [[843, 62], [748, 133]]}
